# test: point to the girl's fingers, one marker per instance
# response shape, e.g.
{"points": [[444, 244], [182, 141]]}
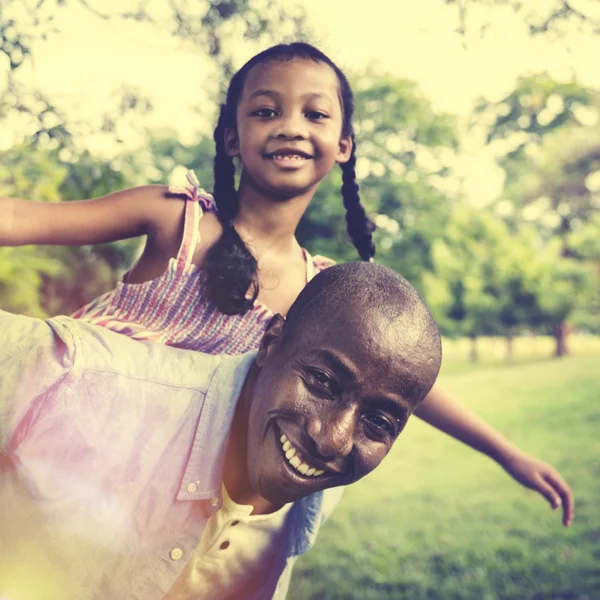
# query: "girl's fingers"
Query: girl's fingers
{"points": [[561, 488], [544, 488]]}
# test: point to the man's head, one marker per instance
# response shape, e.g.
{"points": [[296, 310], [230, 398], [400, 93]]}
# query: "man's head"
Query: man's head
{"points": [[336, 382]]}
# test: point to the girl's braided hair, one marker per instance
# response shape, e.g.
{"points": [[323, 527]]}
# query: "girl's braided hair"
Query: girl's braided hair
{"points": [[231, 269]]}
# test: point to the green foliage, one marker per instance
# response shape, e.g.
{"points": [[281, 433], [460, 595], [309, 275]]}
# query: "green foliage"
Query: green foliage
{"points": [[50, 280], [551, 18], [482, 280], [564, 284], [536, 106]]}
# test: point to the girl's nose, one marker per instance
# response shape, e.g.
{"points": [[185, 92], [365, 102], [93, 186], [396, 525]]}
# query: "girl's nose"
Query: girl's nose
{"points": [[333, 431], [291, 127]]}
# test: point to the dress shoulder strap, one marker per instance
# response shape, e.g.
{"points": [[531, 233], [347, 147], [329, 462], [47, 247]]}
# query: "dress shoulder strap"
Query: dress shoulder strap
{"points": [[197, 199]]}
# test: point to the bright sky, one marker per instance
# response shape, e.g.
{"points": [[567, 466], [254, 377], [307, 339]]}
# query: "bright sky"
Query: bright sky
{"points": [[89, 59]]}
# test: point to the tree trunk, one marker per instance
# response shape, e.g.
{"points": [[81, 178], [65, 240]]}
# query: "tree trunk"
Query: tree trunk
{"points": [[560, 331], [509, 346], [474, 353]]}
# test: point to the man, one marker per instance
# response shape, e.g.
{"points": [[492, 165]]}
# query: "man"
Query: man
{"points": [[133, 470]]}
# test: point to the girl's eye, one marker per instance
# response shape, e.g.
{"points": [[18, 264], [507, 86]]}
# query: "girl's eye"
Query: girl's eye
{"points": [[264, 112], [380, 425], [315, 115]]}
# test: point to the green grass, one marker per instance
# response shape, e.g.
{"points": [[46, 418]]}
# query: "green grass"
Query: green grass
{"points": [[438, 521]]}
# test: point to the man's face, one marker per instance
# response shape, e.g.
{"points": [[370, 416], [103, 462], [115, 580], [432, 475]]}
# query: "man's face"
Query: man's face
{"points": [[327, 404]]}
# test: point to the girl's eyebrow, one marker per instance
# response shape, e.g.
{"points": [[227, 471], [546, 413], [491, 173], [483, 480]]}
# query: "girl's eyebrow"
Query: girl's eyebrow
{"points": [[270, 93], [277, 96]]}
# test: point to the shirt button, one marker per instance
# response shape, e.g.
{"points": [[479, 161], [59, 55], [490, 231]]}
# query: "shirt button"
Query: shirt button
{"points": [[176, 553], [191, 488], [224, 545], [234, 523], [214, 500]]}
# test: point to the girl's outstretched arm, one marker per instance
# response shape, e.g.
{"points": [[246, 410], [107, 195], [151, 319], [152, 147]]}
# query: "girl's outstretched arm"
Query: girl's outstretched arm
{"points": [[443, 412], [116, 216]]}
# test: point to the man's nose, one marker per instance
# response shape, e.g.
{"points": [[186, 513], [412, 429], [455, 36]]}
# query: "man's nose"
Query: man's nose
{"points": [[333, 431]]}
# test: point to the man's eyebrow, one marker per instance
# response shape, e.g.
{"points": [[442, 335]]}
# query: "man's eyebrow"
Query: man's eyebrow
{"points": [[397, 409], [334, 361], [394, 407]]}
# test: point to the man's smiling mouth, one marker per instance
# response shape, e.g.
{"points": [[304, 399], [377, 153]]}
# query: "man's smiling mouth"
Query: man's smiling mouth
{"points": [[297, 460]]}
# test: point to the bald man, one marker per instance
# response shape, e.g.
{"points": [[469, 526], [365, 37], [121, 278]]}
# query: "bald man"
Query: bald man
{"points": [[131, 470]]}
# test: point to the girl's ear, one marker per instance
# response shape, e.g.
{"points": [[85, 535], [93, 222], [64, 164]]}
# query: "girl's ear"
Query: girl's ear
{"points": [[232, 146], [268, 343], [344, 150]]}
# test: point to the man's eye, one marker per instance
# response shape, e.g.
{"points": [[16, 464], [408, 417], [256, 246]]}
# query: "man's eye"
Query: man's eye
{"points": [[264, 112], [380, 425], [323, 381]]}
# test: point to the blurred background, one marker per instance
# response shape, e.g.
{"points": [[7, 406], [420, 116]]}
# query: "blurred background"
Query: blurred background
{"points": [[478, 138]]}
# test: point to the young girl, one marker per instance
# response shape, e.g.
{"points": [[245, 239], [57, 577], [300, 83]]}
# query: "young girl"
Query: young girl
{"points": [[215, 269]]}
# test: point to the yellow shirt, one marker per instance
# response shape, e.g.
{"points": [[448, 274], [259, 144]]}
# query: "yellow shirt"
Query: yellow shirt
{"points": [[233, 556]]}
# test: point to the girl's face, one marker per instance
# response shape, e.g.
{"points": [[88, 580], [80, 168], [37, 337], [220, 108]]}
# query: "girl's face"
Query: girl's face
{"points": [[289, 125]]}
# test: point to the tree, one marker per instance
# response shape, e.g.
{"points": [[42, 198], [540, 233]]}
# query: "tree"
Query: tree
{"points": [[564, 285], [483, 279], [552, 17]]}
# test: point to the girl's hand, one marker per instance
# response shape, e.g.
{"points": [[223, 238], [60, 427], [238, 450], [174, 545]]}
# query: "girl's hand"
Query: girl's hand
{"points": [[543, 478]]}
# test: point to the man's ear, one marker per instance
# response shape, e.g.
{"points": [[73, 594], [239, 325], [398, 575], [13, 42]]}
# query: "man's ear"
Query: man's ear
{"points": [[272, 334], [232, 146], [344, 150]]}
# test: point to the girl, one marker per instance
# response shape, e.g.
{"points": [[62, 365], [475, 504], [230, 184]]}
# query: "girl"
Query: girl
{"points": [[214, 270]]}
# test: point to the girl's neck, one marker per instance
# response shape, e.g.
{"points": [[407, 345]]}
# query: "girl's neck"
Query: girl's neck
{"points": [[269, 223]]}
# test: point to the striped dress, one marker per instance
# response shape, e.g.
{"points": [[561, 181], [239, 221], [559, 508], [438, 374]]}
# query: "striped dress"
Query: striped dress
{"points": [[172, 309]]}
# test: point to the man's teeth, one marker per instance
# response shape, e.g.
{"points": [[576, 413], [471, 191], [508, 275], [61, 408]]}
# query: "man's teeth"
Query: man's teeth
{"points": [[290, 454]]}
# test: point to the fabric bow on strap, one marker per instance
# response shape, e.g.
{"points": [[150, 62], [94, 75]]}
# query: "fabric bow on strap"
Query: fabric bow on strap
{"points": [[195, 192]]}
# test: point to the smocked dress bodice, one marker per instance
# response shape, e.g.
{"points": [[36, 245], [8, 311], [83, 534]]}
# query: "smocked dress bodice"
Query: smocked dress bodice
{"points": [[172, 309]]}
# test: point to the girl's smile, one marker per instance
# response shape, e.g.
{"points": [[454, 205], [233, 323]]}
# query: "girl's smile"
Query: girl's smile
{"points": [[289, 118]]}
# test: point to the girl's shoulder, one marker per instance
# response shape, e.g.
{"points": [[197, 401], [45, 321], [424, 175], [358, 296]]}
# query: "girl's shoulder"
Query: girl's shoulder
{"points": [[322, 262], [201, 218]]}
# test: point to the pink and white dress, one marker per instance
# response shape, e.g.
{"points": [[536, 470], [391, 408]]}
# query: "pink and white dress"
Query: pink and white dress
{"points": [[172, 309]]}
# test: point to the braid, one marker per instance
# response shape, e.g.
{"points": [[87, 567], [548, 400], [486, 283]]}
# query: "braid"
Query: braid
{"points": [[230, 268], [224, 174], [360, 227]]}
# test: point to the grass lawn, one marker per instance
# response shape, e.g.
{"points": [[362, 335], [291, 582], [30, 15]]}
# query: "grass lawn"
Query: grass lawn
{"points": [[438, 521]]}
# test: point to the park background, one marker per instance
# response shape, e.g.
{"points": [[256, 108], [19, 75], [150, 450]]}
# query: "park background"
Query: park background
{"points": [[478, 137]]}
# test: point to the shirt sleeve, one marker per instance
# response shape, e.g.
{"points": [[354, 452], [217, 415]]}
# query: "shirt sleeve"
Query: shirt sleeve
{"points": [[33, 362]]}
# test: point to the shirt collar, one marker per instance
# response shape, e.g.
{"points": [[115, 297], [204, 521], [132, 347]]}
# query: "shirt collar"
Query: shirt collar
{"points": [[203, 476]]}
